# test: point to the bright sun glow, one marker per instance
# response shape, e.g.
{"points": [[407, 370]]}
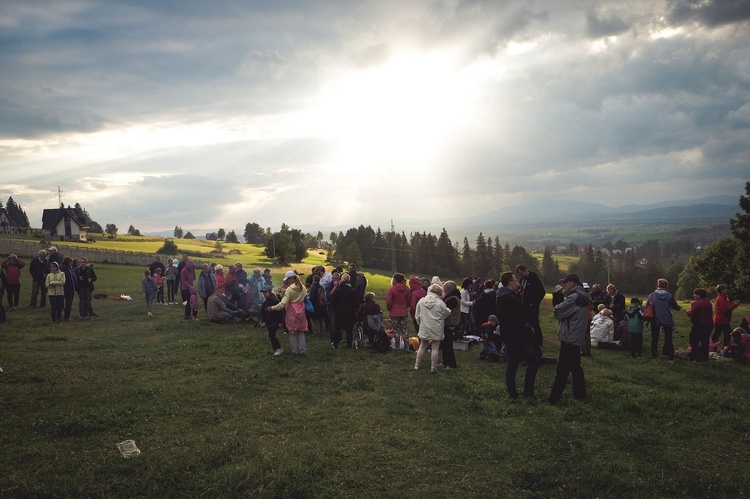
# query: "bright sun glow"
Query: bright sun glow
{"points": [[395, 114]]}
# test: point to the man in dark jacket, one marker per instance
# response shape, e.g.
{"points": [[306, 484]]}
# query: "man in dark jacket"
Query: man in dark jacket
{"points": [[532, 294], [513, 319], [156, 264], [37, 268], [345, 305]]}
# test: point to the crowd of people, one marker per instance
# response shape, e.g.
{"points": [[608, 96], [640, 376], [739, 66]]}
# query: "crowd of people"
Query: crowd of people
{"points": [[55, 278], [504, 317]]}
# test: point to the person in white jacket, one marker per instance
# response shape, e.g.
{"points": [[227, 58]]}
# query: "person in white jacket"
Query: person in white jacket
{"points": [[602, 329], [430, 314]]}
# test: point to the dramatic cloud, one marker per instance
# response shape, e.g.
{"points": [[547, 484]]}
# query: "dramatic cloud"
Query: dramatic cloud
{"points": [[345, 113]]}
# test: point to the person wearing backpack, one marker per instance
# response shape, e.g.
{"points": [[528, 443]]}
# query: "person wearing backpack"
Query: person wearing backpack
{"points": [[663, 303]]}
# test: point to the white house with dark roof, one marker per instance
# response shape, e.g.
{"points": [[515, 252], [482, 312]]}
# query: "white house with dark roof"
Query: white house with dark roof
{"points": [[8, 225], [62, 224]]}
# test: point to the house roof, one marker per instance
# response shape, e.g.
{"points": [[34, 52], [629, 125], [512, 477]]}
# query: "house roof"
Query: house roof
{"points": [[52, 217], [7, 215]]}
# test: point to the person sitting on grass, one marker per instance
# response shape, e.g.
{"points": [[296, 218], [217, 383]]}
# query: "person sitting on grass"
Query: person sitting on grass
{"points": [[370, 316], [489, 350], [489, 332], [218, 310], [737, 348], [603, 329]]}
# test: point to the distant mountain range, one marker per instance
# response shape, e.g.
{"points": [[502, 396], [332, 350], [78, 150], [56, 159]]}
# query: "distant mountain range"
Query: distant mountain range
{"points": [[702, 211], [715, 208]]}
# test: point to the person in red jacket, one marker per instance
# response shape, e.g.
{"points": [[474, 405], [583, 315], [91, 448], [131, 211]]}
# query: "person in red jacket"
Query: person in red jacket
{"points": [[723, 315], [417, 293], [398, 302], [700, 317], [12, 266]]}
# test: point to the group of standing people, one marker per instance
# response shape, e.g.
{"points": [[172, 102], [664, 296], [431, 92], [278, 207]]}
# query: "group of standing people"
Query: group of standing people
{"points": [[54, 278]]}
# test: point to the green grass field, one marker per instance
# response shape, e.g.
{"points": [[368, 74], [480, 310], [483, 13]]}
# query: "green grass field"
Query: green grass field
{"points": [[216, 415]]}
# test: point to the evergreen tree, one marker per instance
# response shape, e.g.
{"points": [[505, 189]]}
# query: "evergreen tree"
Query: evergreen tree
{"points": [[403, 251], [16, 213], [353, 254], [86, 220], [300, 246], [280, 248], [231, 237], [254, 234], [740, 225], [550, 268], [482, 261], [501, 257], [381, 256], [178, 232], [221, 234], [446, 257], [467, 258]]}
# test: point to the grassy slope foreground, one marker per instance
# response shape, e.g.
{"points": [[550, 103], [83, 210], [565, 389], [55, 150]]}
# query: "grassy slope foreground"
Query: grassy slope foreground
{"points": [[216, 415]]}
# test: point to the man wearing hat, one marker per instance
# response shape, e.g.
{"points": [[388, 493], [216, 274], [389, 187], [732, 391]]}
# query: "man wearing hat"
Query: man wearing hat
{"points": [[573, 323]]}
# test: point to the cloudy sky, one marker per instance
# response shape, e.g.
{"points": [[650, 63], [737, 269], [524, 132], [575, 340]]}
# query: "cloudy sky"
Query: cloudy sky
{"points": [[215, 114]]}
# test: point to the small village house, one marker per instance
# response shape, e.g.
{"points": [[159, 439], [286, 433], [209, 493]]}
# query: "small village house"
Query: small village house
{"points": [[62, 224]]}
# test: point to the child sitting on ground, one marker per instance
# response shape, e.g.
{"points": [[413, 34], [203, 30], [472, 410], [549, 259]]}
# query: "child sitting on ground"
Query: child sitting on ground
{"points": [[737, 348], [489, 332], [489, 351], [603, 329]]}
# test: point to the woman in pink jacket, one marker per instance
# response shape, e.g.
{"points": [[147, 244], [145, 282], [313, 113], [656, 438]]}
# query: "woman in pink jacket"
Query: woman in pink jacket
{"points": [[398, 301]]}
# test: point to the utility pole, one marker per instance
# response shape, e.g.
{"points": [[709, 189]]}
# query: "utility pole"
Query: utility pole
{"points": [[59, 196], [393, 248]]}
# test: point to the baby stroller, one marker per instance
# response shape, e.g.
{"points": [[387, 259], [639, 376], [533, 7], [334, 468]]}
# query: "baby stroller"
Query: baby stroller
{"points": [[372, 328]]}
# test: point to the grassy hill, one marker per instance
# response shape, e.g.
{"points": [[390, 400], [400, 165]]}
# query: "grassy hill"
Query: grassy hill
{"points": [[215, 414]]}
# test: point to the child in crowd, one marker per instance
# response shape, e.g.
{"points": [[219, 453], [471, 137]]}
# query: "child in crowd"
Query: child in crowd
{"points": [[603, 329], [148, 285], [267, 278], [737, 348], [194, 302], [489, 351], [271, 319], [634, 316], [488, 331], [159, 287]]}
